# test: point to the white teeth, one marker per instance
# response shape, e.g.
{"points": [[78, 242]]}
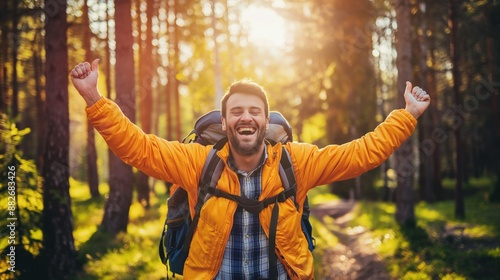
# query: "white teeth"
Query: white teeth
{"points": [[246, 130]]}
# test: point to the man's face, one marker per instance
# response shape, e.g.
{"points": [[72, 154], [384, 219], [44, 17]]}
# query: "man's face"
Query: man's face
{"points": [[246, 123]]}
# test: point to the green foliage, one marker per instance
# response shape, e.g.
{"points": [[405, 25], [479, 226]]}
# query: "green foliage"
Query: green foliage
{"points": [[439, 247], [131, 255], [20, 192], [436, 248], [134, 255], [320, 195]]}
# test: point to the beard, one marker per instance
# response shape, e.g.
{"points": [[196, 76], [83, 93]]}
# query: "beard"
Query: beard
{"points": [[245, 148]]}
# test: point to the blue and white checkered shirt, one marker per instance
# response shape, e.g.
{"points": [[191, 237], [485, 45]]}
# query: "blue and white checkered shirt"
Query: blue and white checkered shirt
{"points": [[246, 253]]}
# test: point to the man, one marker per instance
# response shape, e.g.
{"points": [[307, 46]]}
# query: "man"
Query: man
{"points": [[231, 243]]}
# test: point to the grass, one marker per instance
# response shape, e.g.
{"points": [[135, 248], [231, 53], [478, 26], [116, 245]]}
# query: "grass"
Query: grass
{"points": [[440, 246], [131, 255], [437, 248], [134, 255]]}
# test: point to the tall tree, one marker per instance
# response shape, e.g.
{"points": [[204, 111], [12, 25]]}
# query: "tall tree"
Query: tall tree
{"points": [[433, 112], [380, 36], [146, 73], [121, 178], [107, 50], [457, 97], [175, 41], [169, 92], [425, 124], [92, 176], [41, 119], [173, 96], [217, 67], [493, 43], [405, 209], [4, 49], [58, 244], [15, 46]]}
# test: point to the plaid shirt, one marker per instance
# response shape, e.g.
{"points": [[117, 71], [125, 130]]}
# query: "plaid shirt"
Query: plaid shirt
{"points": [[246, 256]]}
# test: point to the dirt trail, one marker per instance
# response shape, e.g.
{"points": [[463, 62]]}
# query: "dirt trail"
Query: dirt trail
{"points": [[353, 257]]}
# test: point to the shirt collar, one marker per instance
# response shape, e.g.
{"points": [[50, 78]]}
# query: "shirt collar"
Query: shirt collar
{"points": [[233, 166]]}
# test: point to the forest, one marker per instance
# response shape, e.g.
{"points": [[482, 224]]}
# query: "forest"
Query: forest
{"points": [[335, 69]]}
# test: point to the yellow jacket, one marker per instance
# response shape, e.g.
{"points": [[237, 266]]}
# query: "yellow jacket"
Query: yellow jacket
{"points": [[182, 164]]}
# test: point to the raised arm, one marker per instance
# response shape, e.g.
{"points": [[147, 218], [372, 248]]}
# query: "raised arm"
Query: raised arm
{"points": [[159, 158], [341, 162]]}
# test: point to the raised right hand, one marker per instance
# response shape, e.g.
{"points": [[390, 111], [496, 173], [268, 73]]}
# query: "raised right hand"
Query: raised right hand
{"points": [[84, 78], [417, 100]]}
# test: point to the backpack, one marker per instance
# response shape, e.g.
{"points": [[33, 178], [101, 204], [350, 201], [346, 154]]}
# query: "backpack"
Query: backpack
{"points": [[179, 227]]}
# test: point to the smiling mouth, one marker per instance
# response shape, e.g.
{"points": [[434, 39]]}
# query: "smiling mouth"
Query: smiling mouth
{"points": [[246, 130]]}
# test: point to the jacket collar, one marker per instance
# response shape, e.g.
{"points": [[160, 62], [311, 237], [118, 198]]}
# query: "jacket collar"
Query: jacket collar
{"points": [[270, 149]]}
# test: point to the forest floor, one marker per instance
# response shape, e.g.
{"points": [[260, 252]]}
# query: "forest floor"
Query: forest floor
{"points": [[353, 257], [355, 240]]}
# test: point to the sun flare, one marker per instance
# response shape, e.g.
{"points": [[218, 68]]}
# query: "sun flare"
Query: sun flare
{"points": [[265, 26]]}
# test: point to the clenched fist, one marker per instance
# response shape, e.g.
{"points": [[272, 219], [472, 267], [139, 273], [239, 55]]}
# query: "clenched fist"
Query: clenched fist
{"points": [[417, 100], [84, 77]]}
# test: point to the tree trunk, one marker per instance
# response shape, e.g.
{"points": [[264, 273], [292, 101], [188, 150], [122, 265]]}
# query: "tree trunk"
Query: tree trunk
{"points": [[3, 61], [15, 45], [217, 68], [108, 54], [229, 44], [92, 176], [177, 95], [386, 165], [492, 44], [457, 82], [357, 193], [121, 178], [41, 119], [435, 123], [171, 83], [59, 251], [425, 124], [146, 94], [405, 212]]}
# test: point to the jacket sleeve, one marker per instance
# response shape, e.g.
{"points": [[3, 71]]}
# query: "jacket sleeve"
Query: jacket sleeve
{"points": [[165, 160], [317, 167]]}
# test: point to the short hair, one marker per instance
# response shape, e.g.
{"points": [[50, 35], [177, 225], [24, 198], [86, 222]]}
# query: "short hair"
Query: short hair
{"points": [[245, 86]]}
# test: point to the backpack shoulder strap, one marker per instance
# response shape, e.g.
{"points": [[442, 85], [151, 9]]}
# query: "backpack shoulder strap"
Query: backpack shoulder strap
{"points": [[287, 174], [210, 175]]}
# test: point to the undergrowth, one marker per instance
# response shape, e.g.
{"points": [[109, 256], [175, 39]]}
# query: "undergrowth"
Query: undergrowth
{"points": [[439, 246]]}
